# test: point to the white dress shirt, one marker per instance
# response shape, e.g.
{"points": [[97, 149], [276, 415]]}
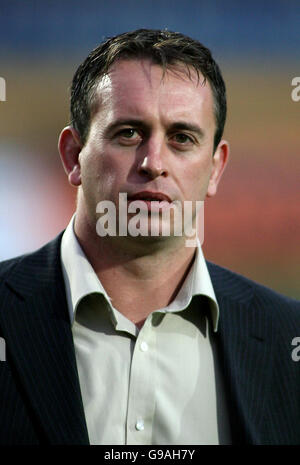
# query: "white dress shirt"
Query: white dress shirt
{"points": [[158, 385]]}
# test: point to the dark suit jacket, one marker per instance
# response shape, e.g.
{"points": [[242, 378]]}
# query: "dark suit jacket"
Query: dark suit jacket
{"points": [[40, 398]]}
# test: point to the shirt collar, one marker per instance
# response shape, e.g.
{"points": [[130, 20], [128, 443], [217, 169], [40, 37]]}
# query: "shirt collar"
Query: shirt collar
{"points": [[197, 282], [79, 275], [81, 279]]}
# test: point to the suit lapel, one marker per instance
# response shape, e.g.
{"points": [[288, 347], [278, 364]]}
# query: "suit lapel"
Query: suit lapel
{"points": [[246, 340], [36, 328]]}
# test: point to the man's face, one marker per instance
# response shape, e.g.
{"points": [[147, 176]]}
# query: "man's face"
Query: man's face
{"points": [[149, 133]]}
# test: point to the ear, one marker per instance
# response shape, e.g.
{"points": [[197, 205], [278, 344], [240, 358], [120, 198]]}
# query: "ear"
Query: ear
{"points": [[69, 147], [220, 159]]}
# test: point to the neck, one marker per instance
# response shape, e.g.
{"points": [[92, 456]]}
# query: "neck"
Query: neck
{"points": [[147, 271]]}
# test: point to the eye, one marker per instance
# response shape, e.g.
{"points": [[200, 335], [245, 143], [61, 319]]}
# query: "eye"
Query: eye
{"points": [[128, 133], [183, 139], [128, 136]]}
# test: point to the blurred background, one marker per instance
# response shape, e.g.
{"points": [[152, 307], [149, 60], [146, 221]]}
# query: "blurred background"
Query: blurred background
{"points": [[253, 224]]}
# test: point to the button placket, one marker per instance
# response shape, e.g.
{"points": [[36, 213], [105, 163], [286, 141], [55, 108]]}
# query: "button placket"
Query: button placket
{"points": [[141, 401], [144, 346], [140, 425]]}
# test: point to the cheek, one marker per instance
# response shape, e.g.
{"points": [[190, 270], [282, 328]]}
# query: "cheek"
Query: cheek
{"points": [[112, 174], [102, 174], [194, 180]]}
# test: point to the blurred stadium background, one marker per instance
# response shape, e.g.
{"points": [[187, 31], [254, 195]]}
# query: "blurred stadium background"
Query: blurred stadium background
{"points": [[253, 225]]}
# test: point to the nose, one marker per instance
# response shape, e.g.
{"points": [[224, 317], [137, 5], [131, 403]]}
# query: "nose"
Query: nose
{"points": [[153, 162]]}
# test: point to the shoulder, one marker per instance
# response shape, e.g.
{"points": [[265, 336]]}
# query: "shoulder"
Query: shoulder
{"points": [[7, 266], [33, 265], [239, 289]]}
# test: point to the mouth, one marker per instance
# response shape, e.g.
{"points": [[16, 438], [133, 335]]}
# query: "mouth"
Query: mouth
{"points": [[154, 202], [147, 196]]}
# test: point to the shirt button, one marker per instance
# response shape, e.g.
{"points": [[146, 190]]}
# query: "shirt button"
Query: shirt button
{"points": [[144, 346], [140, 425]]}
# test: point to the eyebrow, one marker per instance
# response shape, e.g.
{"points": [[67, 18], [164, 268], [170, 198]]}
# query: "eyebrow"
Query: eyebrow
{"points": [[178, 126], [126, 122], [182, 125]]}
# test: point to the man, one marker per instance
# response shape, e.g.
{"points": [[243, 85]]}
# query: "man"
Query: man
{"points": [[121, 338]]}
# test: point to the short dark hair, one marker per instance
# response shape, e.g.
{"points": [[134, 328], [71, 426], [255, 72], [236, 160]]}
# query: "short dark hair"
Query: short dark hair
{"points": [[162, 47]]}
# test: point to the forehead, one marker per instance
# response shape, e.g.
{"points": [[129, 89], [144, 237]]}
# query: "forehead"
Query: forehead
{"points": [[140, 86]]}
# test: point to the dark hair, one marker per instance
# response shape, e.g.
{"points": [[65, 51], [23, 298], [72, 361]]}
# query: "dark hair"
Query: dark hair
{"points": [[164, 48]]}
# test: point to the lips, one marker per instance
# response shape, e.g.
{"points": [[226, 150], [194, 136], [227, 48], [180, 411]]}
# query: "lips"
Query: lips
{"points": [[150, 196]]}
